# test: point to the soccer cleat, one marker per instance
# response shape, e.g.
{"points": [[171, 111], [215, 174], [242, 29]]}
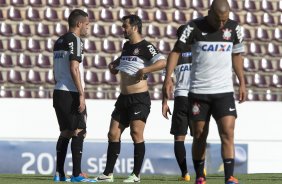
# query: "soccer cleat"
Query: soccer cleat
{"points": [[232, 180], [58, 178], [205, 172], [105, 178], [82, 178], [132, 179], [200, 180], [185, 178]]}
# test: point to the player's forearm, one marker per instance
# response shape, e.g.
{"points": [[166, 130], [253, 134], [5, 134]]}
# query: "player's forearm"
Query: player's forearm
{"points": [[171, 63], [237, 62], [75, 73], [159, 65]]}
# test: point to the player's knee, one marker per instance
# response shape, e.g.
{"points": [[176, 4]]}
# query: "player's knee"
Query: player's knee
{"points": [[113, 136], [66, 134], [81, 133]]}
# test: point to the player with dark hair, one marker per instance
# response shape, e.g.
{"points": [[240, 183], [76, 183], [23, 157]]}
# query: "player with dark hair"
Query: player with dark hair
{"points": [[138, 58], [216, 44], [68, 97]]}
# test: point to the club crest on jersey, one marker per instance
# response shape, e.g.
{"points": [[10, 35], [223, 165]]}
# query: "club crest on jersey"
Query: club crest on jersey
{"points": [[227, 34], [196, 108], [136, 51]]}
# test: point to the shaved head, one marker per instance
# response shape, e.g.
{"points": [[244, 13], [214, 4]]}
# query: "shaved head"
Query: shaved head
{"points": [[218, 14], [220, 6]]}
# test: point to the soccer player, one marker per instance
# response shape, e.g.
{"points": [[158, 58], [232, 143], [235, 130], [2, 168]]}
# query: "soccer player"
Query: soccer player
{"points": [[180, 118], [68, 97], [216, 43], [138, 58]]}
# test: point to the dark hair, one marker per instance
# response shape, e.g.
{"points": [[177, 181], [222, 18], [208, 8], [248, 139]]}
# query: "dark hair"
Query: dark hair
{"points": [[75, 16], [180, 30], [134, 20]]}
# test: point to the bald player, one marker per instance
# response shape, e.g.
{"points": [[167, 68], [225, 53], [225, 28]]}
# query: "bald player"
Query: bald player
{"points": [[216, 43]]}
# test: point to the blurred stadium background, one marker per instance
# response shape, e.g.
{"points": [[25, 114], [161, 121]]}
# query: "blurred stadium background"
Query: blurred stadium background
{"points": [[28, 29]]}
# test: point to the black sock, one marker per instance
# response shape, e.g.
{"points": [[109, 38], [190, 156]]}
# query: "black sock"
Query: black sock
{"points": [[199, 168], [139, 153], [61, 148], [76, 149], [228, 168], [112, 155], [180, 155]]}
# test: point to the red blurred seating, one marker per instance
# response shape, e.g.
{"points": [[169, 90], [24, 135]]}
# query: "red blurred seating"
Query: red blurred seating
{"points": [[71, 3], [33, 77], [14, 14], [234, 5], [195, 14], [106, 15], [251, 19], [49, 77], [41, 93], [33, 45], [249, 65], [6, 61], [23, 93], [91, 78], [116, 30], [162, 4], [6, 29], [60, 29], [4, 3], [24, 61], [179, 17], [121, 13], [269, 96], [99, 93], [247, 34], [107, 3], [5, 93], [277, 34], [18, 3], [151, 79], [49, 43], [42, 30], [99, 62], [180, 4], [268, 19], [153, 31], [89, 3], [2, 49], [32, 14], [54, 3], [146, 4], [144, 15], [161, 17], [156, 94], [108, 46], [127, 3], [170, 31], [66, 13], [260, 81], [163, 47], [23, 29], [51, 15], [90, 46], [98, 30], [249, 5], [266, 65], [262, 34], [255, 49], [252, 95], [43, 61], [273, 50], [36, 3], [197, 4], [2, 18], [267, 6], [108, 78], [234, 16], [15, 77], [276, 81], [15, 45]]}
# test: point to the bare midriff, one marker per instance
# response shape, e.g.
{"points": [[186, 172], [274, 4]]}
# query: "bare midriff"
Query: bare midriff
{"points": [[130, 84]]}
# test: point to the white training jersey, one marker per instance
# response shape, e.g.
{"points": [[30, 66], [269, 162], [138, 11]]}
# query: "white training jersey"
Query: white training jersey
{"points": [[212, 50], [182, 74], [67, 48]]}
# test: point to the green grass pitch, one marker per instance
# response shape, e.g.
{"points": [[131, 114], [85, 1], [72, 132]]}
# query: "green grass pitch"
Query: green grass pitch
{"points": [[150, 179]]}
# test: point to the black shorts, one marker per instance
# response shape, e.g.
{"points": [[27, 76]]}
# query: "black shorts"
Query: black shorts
{"points": [[66, 106], [202, 106], [132, 107], [180, 117]]}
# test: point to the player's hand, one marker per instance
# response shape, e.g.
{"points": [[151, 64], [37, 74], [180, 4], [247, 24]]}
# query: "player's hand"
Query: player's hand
{"points": [[140, 74], [242, 93], [81, 106], [112, 67], [165, 110]]}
